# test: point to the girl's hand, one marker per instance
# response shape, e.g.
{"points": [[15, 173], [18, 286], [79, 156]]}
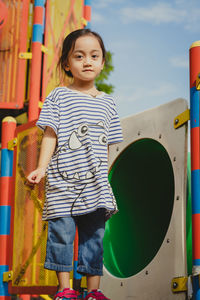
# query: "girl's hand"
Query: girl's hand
{"points": [[35, 176], [47, 148]]}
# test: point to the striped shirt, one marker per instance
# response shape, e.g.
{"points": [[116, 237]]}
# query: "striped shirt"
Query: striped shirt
{"points": [[77, 175]]}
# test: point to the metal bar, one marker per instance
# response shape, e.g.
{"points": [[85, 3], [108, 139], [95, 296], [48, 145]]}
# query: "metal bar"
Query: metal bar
{"points": [[8, 129], [5, 91], [47, 23], [9, 76], [35, 234], [87, 12], [195, 161], [35, 76], [21, 65], [15, 53]]}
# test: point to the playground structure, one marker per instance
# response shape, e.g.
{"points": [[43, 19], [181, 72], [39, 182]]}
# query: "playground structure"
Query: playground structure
{"points": [[30, 39], [147, 247]]}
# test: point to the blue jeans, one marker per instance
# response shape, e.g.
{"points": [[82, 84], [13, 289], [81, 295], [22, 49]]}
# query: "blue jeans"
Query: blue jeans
{"points": [[61, 234]]}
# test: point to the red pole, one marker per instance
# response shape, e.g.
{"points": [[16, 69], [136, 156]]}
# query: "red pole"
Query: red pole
{"points": [[87, 12], [35, 76], [6, 206], [195, 163], [44, 71]]}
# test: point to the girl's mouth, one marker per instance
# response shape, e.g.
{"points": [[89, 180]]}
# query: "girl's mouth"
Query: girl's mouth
{"points": [[88, 70]]}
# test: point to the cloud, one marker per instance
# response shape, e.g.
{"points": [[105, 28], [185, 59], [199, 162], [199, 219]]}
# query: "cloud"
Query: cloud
{"points": [[161, 12], [163, 90], [183, 12], [192, 22], [181, 61], [97, 17], [105, 3], [160, 91], [100, 4]]}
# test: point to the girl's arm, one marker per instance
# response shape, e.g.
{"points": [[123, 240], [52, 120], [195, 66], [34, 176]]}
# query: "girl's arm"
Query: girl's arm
{"points": [[47, 149]]}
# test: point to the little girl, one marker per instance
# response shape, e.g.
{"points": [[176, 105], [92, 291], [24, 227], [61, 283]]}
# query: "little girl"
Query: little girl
{"points": [[79, 123]]}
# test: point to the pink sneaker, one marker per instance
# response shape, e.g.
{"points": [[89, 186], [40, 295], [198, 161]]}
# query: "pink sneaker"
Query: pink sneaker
{"points": [[66, 294], [96, 295]]}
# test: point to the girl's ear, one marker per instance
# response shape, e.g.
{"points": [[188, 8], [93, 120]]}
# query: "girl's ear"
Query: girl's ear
{"points": [[67, 68], [102, 66]]}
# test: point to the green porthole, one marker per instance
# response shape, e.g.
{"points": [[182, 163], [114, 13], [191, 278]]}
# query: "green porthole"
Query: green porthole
{"points": [[142, 179]]}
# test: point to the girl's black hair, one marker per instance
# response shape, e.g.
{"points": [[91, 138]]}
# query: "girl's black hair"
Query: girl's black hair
{"points": [[69, 43]]}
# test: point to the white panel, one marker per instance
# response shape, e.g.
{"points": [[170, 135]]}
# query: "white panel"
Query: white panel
{"points": [[154, 282]]}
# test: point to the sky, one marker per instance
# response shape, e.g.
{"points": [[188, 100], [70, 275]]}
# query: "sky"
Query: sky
{"points": [[150, 42]]}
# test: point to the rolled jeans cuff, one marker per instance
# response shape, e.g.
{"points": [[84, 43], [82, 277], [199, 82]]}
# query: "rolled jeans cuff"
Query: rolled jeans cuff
{"points": [[88, 270], [57, 267]]}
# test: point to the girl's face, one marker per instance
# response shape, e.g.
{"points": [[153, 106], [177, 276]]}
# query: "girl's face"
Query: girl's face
{"points": [[85, 61]]}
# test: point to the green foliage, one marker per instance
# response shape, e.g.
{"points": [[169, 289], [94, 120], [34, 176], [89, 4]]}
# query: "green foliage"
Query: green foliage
{"points": [[100, 81]]}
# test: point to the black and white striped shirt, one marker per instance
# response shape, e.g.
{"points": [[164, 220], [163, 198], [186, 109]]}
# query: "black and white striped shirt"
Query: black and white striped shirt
{"points": [[77, 175]]}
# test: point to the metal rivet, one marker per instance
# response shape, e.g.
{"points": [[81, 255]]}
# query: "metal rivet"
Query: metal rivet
{"points": [[160, 136], [139, 132], [174, 158], [117, 149], [175, 285], [168, 240], [121, 284], [147, 272], [176, 121], [177, 198]]}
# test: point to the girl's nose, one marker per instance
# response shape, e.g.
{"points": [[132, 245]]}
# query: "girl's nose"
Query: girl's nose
{"points": [[87, 61]]}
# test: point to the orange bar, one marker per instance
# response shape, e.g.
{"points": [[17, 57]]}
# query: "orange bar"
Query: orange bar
{"points": [[3, 14], [194, 62], [25, 297], [76, 246], [38, 15], [87, 12], [15, 53], [5, 191], [4, 255], [44, 71], [195, 158], [35, 81], [196, 234], [8, 131], [8, 128], [21, 68], [36, 65], [12, 204], [10, 65]]}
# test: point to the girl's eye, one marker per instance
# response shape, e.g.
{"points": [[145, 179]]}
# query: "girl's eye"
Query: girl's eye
{"points": [[102, 139], [79, 56], [82, 130], [95, 56]]}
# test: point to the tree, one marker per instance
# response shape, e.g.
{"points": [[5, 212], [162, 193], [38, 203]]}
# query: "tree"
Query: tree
{"points": [[100, 81]]}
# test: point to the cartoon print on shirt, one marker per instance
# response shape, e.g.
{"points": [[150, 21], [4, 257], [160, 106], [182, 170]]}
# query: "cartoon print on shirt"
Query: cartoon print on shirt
{"points": [[78, 179]]}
